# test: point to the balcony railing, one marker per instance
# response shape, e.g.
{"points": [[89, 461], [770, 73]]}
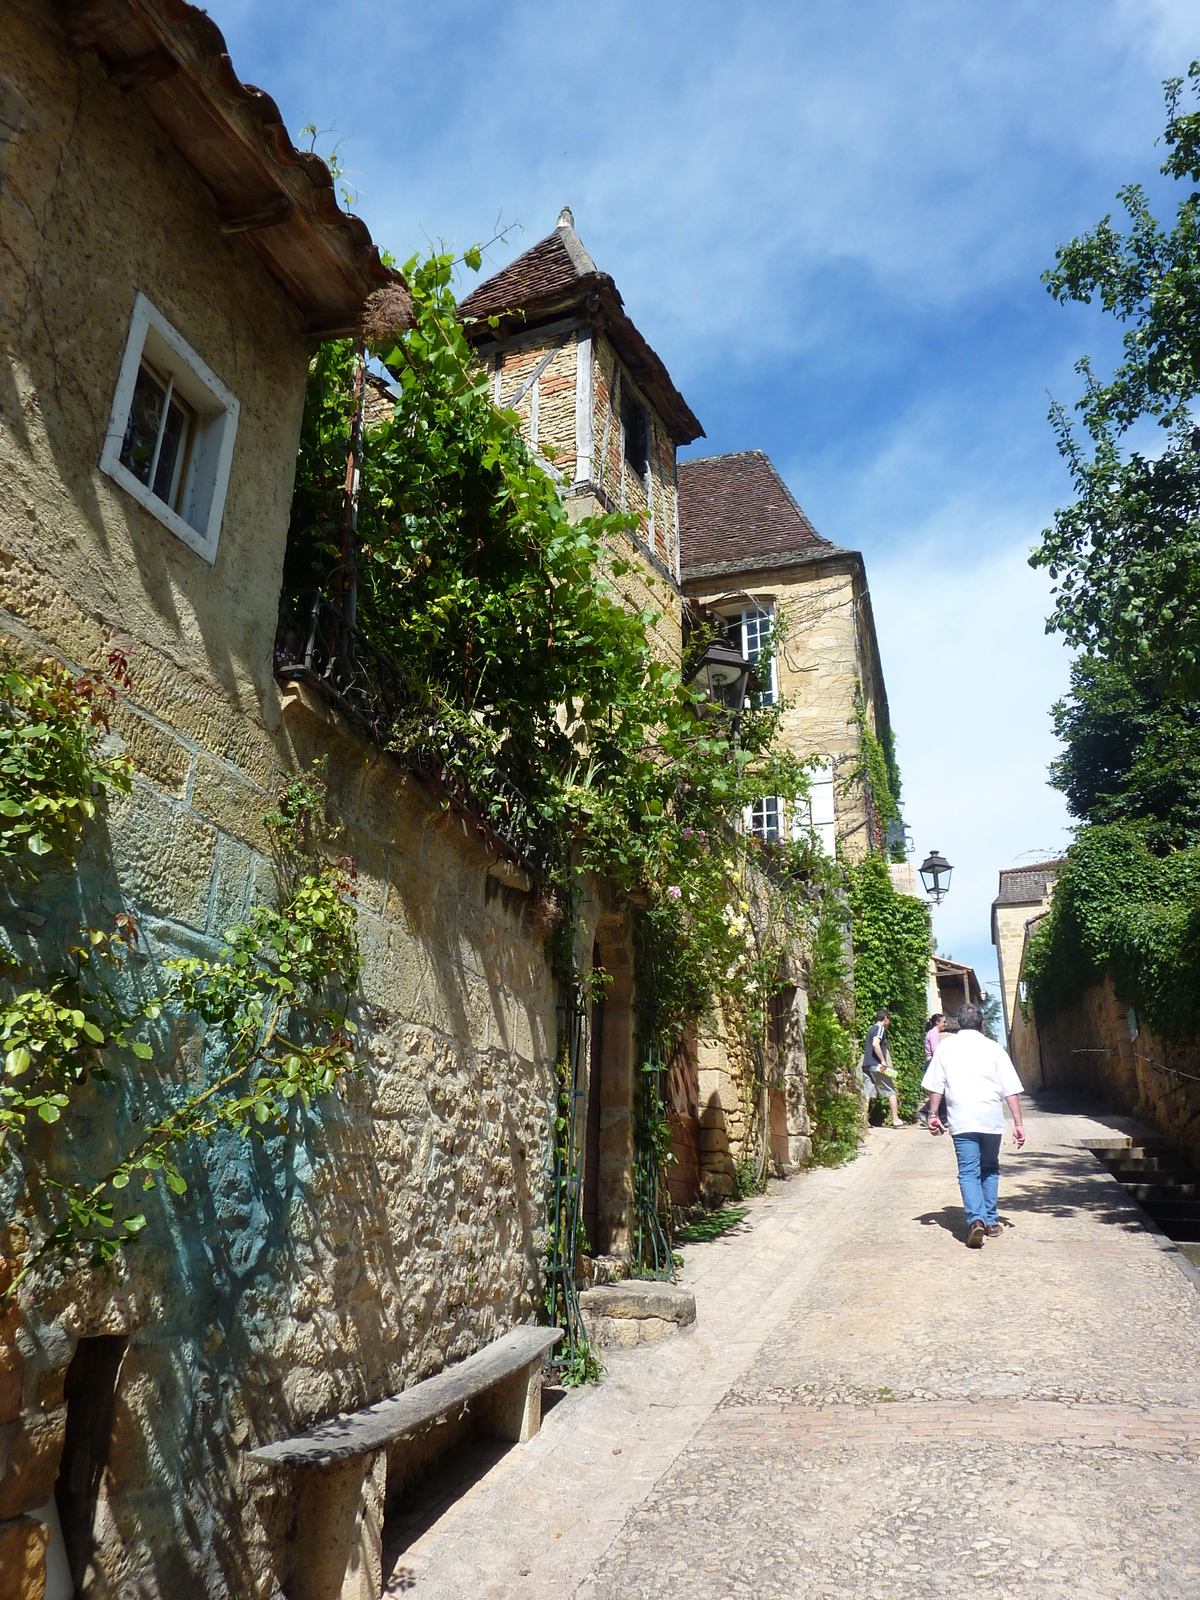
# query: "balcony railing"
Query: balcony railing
{"points": [[315, 645]]}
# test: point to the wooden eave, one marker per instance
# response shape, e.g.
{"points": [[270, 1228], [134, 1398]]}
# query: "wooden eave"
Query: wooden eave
{"points": [[173, 57]]}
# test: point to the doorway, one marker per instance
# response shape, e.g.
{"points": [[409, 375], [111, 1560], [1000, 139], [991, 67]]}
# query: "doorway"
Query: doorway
{"points": [[90, 1390]]}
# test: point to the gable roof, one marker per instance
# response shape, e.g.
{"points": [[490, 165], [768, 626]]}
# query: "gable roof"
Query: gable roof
{"points": [[735, 508], [173, 58], [1026, 886], [557, 277]]}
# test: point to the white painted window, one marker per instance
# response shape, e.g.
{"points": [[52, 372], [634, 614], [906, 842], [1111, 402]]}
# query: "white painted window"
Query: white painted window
{"points": [[170, 435], [764, 818], [819, 814], [750, 631]]}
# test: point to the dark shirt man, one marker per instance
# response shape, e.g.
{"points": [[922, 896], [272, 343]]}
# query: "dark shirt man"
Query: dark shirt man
{"points": [[877, 1067]]}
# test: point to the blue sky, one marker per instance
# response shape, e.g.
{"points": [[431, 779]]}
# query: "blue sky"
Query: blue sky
{"points": [[830, 221]]}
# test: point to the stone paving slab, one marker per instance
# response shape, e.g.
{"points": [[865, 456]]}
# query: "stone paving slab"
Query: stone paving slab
{"points": [[865, 1408]]}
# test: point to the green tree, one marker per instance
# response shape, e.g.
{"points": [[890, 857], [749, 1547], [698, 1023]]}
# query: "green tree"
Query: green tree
{"points": [[1124, 557], [1131, 752]]}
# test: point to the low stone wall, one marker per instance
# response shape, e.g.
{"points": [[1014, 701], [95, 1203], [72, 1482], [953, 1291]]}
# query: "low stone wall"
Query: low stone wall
{"points": [[1087, 1050]]}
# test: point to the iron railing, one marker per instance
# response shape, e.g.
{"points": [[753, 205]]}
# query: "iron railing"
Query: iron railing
{"points": [[564, 1194], [651, 1255], [316, 645]]}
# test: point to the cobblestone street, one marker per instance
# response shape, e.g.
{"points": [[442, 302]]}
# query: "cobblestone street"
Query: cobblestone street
{"points": [[865, 1408]]}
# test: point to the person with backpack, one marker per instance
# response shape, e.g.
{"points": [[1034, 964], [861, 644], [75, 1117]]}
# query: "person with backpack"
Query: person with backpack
{"points": [[972, 1077]]}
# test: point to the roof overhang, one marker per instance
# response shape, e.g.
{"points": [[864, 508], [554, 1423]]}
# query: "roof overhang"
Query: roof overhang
{"points": [[172, 56]]}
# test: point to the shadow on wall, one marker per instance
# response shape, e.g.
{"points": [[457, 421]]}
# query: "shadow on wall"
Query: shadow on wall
{"points": [[393, 1230]]}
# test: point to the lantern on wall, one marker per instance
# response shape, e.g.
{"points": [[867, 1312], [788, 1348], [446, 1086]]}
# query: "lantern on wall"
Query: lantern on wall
{"points": [[935, 875], [724, 676]]}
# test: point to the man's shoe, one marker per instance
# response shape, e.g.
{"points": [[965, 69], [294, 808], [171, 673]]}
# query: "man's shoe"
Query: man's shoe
{"points": [[993, 1230], [975, 1235]]}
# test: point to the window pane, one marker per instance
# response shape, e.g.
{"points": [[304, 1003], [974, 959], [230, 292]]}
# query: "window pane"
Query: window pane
{"points": [[169, 457], [764, 818], [757, 628], [141, 432], [634, 420]]}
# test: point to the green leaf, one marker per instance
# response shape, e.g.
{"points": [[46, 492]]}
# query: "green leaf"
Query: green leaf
{"points": [[142, 1050], [120, 1180], [134, 1224], [473, 258], [92, 1031], [175, 1182], [37, 846], [48, 1111]]}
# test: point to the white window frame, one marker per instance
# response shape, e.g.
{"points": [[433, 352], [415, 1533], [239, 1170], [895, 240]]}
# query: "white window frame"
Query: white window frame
{"points": [[737, 621], [206, 482], [820, 813], [770, 808]]}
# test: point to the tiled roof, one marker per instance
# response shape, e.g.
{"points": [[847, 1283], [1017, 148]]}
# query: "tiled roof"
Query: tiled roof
{"points": [[1026, 886], [281, 200], [546, 269], [737, 507], [554, 278]]}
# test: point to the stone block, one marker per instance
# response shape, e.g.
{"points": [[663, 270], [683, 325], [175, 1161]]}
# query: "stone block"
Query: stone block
{"points": [[23, 1543], [226, 797], [30, 1452], [619, 1316], [158, 756], [713, 1139], [12, 1377], [164, 855], [338, 1551]]}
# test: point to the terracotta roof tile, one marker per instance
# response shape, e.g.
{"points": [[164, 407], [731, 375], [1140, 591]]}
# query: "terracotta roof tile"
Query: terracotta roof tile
{"points": [[738, 507], [544, 270]]}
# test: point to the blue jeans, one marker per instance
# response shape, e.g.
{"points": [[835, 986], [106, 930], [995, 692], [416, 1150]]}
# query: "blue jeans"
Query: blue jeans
{"points": [[979, 1175]]}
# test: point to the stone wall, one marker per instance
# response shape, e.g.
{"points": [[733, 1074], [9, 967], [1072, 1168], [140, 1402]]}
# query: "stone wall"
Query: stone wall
{"points": [[400, 1226], [399, 1229], [824, 651], [1087, 1050]]}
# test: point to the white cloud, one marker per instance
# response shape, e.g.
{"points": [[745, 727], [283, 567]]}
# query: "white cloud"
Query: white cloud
{"points": [[971, 676]]}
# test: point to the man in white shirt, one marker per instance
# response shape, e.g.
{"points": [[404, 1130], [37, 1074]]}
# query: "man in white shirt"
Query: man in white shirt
{"points": [[975, 1077]]}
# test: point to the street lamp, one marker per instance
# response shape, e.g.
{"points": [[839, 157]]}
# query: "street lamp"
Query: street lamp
{"points": [[724, 675], [935, 875]]}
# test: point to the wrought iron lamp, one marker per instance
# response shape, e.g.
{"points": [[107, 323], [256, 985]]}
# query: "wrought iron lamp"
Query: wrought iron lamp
{"points": [[935, 875], [724, 676]]}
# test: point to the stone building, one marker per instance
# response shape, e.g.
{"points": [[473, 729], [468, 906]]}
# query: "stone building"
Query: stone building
{"points": [[595, 402], [751, 556], [752, 559], [1022, 897], [169, 259]]}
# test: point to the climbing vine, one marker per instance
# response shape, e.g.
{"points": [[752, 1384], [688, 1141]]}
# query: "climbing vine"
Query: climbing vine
{"points": [[879, 773], [275, 1040], [834, 1100], [891, 962], [1118, 907]]}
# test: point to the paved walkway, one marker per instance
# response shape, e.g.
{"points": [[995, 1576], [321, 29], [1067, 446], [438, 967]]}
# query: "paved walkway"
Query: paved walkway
{"points": [[866, 1408]]}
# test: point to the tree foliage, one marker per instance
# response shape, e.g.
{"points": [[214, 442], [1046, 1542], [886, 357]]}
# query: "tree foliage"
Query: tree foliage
{"points": [[1125, 555], [1131, 753], [502, 614]]}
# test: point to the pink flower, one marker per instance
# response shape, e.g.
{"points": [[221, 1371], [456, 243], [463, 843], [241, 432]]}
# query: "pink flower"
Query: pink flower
{"points": [[687, 833], [702, 834], [675, 892]]}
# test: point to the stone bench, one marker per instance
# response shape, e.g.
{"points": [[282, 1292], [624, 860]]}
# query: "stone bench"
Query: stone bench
{"points": [[337, 1550]]}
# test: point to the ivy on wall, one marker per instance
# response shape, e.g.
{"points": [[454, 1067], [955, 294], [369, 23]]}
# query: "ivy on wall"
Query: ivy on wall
{"points": [[879, 773], [276, 1040], [891, 963], [1116, 906], [834, 1101]]}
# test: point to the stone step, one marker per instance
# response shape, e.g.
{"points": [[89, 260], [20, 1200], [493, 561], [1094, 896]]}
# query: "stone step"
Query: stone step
{"points": [[1167, 1213], [638, 1311], [1152, 1194], [1159, 1175]]}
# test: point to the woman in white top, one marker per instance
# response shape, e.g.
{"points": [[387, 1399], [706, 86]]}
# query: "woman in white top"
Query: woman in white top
{"points": [[975, 1077]]}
